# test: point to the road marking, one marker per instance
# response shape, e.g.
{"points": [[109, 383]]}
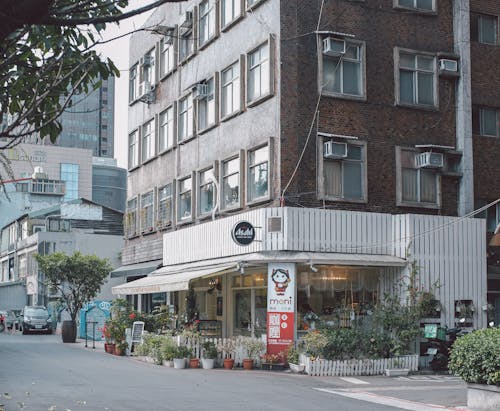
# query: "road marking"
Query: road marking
{"points": [[353, 380], [385, 400]]}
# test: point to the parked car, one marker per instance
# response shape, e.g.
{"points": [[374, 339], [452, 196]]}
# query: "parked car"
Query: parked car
{"points": [[35, 318]]}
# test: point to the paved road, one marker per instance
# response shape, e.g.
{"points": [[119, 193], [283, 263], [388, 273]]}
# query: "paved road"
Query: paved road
{"points": [[38, 372]]}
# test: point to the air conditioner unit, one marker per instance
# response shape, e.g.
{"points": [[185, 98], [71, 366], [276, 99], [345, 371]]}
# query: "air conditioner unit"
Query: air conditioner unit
{"points": [[448, 65], [429, 160], [144, 88], [188, 20], [200, 91], [147, 60], [332, 149], [333, 46]]}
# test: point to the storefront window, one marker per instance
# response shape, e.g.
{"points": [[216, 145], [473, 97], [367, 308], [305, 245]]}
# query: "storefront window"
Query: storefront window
{"points": [[334, 295]]}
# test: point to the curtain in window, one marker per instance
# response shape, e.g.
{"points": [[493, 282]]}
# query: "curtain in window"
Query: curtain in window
{"points": [[409, 189], [333, 178], [427, 186]]}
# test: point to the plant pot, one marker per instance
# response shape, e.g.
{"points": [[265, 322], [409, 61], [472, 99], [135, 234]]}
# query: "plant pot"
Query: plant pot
{"points": [[179, 363], [109, 348], [228, 363], [168, 363], [194, 363], [247, 363], [68, 331], [396, 372], [208, 363], [273, 366], [296, 368], [118, 351]]}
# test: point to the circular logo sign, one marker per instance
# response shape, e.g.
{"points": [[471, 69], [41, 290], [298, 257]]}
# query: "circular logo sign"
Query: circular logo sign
{"points": [[243, 233]]}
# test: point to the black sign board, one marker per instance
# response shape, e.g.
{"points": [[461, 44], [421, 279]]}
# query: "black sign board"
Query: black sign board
{"points": [[243, 233]]}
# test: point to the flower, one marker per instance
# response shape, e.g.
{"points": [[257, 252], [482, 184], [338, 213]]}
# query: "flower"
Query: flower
{"points": [[132, 316], [272, 358]]}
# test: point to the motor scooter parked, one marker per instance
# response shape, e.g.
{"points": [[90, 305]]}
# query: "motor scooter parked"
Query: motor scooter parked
{"points": [[2, 323], [439, 348]]}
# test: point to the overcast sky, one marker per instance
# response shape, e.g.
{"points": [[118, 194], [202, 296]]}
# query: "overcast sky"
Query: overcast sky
{"points": [[118, 51]]}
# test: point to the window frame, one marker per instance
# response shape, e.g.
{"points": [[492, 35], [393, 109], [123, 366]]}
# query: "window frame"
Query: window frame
{"points": [[322, 192], [362, 55], [136, 151], [199, 187], [399, 184], [162, 223], [270, 61], [241, 183], [213, 12], [133, 83], [179, 193], [161, 127], [215, 101], [190, 36], [164, 70], [397, 80], [150, 70], [249, 166], [128, 210], [152, 152], [145, 228], [236, 17], [191, 118], [241, 106], [477, 34], [415, 8]]}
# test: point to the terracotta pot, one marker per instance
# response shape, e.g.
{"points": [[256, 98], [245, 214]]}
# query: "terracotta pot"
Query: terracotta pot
{"points": [[247, 364], [228, 363], [118, 351], [194, 363], [109, 348]]}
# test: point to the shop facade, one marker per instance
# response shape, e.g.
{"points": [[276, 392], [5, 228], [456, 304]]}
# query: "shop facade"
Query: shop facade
{"points": [[308, 265]]}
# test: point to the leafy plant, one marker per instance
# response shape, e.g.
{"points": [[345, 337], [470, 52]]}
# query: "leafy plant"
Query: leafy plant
{"points": [[314, 343], [475, 357], [183, 351], [292, 354], [142, 350], [168, 349], [272, 358], [253, 346], [209, 350], [227, 347]]}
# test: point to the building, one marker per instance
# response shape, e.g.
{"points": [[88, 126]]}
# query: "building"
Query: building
{"points": [[77, 225], [43, 176], [339, 134], [109, 183]]}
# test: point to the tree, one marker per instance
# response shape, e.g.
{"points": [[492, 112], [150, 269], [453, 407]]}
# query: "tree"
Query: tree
{"points": [[47, 56], [77, 278]]}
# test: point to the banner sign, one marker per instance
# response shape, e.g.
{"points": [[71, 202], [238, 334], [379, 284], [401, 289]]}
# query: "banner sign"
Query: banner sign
{"points": [[280, 306]]}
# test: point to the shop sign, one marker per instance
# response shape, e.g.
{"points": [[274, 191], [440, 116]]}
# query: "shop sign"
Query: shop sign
{"points": [[243, 233], [280, 306]]}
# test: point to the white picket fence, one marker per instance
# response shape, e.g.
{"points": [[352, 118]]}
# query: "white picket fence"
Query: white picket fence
{"points": [[323, 368]]}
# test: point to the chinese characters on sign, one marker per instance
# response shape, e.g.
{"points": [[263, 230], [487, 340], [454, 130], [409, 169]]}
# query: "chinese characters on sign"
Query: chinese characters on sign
{"points": [[280, 306]]}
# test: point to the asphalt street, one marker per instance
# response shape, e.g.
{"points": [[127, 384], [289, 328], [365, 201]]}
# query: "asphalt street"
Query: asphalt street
{"points": [[39, 372]]}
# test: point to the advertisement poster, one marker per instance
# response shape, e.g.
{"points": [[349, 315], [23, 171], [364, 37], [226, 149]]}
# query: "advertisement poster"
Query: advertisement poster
{"points": [[280, 306]]}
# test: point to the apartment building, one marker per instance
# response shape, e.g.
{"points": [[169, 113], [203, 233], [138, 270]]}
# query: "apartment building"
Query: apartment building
{"points": [[331, 141]]}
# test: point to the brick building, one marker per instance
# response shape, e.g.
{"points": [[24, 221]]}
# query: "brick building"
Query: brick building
{"points": [[341, 131]]}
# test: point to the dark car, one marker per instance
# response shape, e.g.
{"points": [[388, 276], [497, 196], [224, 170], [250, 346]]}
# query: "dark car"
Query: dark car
{"points": [[35, 318]]}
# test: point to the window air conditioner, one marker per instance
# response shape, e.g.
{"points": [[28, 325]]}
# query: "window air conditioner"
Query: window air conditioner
{"points": [[333, 46], [429, 160], [144, 88], [147, 60], [200, 91], [332, 149], [448, 65], [188, 20]]}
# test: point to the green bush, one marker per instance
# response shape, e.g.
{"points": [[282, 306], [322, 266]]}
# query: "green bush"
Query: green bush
{"points": [[168, 349], [209, 350], [475, 357], [183, 352]]}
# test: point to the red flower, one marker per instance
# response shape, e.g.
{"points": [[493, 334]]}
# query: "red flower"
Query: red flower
{"points": [[131, 316]]}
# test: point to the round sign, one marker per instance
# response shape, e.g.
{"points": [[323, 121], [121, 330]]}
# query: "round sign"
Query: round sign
{"points": [[243, 233]]}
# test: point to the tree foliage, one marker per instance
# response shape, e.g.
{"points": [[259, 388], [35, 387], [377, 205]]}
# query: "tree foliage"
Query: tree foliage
{"points": [[78, 278]]}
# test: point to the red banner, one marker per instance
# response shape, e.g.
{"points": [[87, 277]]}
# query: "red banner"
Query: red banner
{"points": [[279, 332]]}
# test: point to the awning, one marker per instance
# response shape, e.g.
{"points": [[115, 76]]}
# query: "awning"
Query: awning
{"points": [[136, 269], [171, 282]]}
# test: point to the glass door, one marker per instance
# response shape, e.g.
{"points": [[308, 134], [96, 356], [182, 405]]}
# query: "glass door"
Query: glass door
{"points": [[242, 317]]}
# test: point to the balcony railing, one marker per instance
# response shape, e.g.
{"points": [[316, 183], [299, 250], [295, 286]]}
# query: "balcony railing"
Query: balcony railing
{"points": [[54, 187]]}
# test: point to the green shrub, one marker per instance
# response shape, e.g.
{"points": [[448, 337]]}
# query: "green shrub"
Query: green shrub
{"points": [[475, 357], [183, 352], [342, 344], [168, 349], [142, 350], [209, 350], [292, 354], [314, 342]]}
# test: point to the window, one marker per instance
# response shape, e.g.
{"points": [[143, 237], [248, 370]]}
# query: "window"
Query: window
{"points": [[167, 55], [417, 79], [186, 121], [148, 67], [69, 174], [148, 140], [147, 211], [206, 106], [165, 206], [208, 13], [258, 174], [231, 90], [259, 74], [133, 149], [343, 73], [484, 28], [186, 40], [231, 183], [231, 10], [130, 223], [419, 186], [206, 191], [166, 129], [485, 121], [133, 84], [185, 198], [417, 4], [344, 177]]}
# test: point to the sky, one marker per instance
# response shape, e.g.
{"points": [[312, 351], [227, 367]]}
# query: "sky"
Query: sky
{"points": [[118, 51]]}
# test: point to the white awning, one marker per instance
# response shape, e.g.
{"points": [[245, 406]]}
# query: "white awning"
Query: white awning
{"points": [[136, 269], [157, 283]]}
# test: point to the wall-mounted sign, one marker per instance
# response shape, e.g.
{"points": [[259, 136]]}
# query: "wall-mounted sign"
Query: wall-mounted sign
{"points": [[243, 233]]}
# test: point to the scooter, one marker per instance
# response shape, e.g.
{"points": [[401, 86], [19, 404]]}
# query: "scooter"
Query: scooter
{"points": [[2, 323], [440, 350]]}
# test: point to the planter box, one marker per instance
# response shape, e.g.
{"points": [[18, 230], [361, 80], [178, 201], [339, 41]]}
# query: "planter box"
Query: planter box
{"points": [[396, 372], [273, 367], [168, 363], [357, 367], [297, 368], [482, 397]]}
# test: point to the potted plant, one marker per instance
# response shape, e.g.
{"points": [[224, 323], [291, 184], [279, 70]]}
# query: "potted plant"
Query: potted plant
{"points": [[120, 347], [209, 355], [293, 359], [109, 345], [168, 351], [181, 353], [272, 361], [227, 348], [254, 348]]}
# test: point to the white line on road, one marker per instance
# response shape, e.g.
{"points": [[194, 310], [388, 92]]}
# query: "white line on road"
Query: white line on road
{"points": [[353, 380], [383, 400]]}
